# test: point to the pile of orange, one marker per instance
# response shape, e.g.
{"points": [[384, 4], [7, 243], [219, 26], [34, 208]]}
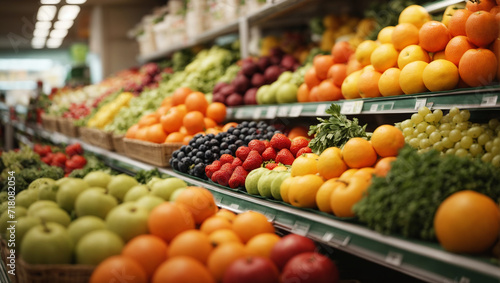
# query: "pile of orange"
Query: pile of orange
{"points": [[177, 251], [420, 55], [180, 117]]}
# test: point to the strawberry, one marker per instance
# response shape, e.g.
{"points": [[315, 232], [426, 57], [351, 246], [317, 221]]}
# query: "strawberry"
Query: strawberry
{"points": [[238, 177], [284, 156], [267, 144], [237, 162], [297, 144], [271, 165], [221, 177], [212, 168], [226, 158], [257, 145], [269, 154], [253, 161], [280, 141], [303, 151], [228, 167], [242, 152]]}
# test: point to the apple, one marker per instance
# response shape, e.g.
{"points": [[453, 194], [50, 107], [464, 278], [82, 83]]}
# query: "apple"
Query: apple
{"points": [[264, 183], [48, 191], [310, 267], [36, 184], [276, 184], [64, 180], [39, 204], [149, 202], [3, 207], [97, 179], [261, 92], [84, 225], [136, 192], [98, 245], [24, 224], [120, 185], [53, 214], [166, 187], [175, 194], [3, 196], [18, 212], [26, 198], [40, 243], [68, 192], [152, 181], [290, 246], [251, 269], [285, 77], [270, 95], [287, 93], [252, 180], [97, 202], [128, 220]]}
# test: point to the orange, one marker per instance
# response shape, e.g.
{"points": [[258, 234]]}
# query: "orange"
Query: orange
{"points": [[148, 250], [172, 121], [438, 55], [186, 139], [148, 120], [228, 214], [142, 134], [182, 109], [215, 223], [196, 101], [199, 201], [182, 269], [467, 222], [456, 48], [175, 137], [298, 131], [496, 50], [440, 75], [209, 123], [222, 256], [304, 165], [311, 79], [412, 53], [384, 57], [262, 244], [364, 51], [303, 93], [156, 134], [457, 22], [169, 219], [179, 95], [327, 91], [483, 5], [478, 67], [131, 132], [410, 78], [414, 14], [323, 195], [194, 122], [221, 236], [404, 34], [341, 52], [313, 94], [183, 130], [385, 35], [481, 28], [115, 268], [383, 166], [251, 223], [167, 101], [350, 85], [358, 153], [433, 36], [387, 140], [213, 130], [217, 112], [337, 74], [229, 125], [368, 84], [162, 110], [191, 243], [353, 65], [322, 64], [388, 84], [330, 164], [348, 174]]}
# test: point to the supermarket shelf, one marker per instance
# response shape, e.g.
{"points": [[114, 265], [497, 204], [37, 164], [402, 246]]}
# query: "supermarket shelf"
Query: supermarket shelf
{"points": [[485, 98], [439, 6], [423, 260]]}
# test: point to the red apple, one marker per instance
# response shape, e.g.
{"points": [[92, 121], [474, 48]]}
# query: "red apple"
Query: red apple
{"points": [[252, 269], [290, 246], [310, 268]]}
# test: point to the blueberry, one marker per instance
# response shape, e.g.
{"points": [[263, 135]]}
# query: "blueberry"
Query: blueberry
{"points": [[183, 167], [208, 154], [244, 131], [198, 143], [226, 140], [270, 129], [239, 143], [244, 124], [231, 130], [262, 124], [210, 136], [269, 136], [236, 132], [174, 163], [199, 170], [202, 148], [189, 148], [224, 145], [180, 155], [215, 156], [232, 147], [213, 142], [215, 148], [193, 159], [197, 136], [252, 124], [183, 148], [227, 151], [200, 154], [198, 161], [175, 153]]}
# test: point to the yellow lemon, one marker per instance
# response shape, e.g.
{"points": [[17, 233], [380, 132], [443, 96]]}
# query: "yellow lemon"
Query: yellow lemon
{"points": [[350, 85], [323, 195], [364, 51], [412, 53], [410, 78], [302, 191], [285, 187], [385, 35], [384, 57], [414, 14], [304, 165], [438, 55], [388, 83], [440, 75]]}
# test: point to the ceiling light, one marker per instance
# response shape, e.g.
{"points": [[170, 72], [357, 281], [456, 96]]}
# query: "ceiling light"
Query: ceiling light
{"points": [[38, 41], [63, 24], [43, 25], [68, 12], [50, 2], [54, 42], [46, 13], [77, 2], [40, 32], [58, 33], [37, 46]]}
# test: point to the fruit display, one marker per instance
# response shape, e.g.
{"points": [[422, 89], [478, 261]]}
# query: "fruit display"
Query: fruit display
{"points": [[283, 90], [107, 112]]}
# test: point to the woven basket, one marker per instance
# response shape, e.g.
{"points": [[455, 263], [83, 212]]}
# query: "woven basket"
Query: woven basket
{"points": [[60, 122], [53, 273], [152, 153], [119, 144], [97, 137], [49, 123], [68, 127]]}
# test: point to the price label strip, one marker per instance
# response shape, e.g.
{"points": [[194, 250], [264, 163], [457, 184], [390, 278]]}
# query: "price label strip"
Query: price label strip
{"points": [[382, 106], [300, 228], [321, 109], [351, 107], [218, 199], [489, 100], [229, 112], [420, 102], [283, 111], [271, 112], [295, 111], [256, 113], [234, 206], [240, 113], [335, 239], [394, 258]]}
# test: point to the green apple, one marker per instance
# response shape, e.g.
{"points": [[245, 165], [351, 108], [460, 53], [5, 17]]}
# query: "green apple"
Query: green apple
{"points": [[287, 93], [264, 183], [270, 95], [37, 205], [3, 207], [54, 214], [40, 182], [166, 187], [175, 194], [153, 181], [26, 198], [252, 180], [128, 220], [285, 77], [64, 180], [95, 201], [47, 243], [97, 179], [3, 196], [149, 202], [84, 225], [48, 191], [276, 184], [11, 214], [136, 192], [97, 246], [120, 185], [68, 193], [24, 224], [260, 93]]}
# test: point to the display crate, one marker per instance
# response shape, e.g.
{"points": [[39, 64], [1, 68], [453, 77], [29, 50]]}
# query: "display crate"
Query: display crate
{"points": [[152, 153], [119, 144], [97, 137], [49, 123], [68, 128]]}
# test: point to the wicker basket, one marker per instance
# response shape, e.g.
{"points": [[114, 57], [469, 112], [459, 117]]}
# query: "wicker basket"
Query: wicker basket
{"points": [[53, 273], [152, 153], [60, 122], [97, 137], [49, 123], [119, 144], [68, 128]]}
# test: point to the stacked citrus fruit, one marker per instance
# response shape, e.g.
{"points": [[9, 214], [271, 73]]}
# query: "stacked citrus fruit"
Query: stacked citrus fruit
{"points": [[337, 179], [180, 117], [420, 55]]}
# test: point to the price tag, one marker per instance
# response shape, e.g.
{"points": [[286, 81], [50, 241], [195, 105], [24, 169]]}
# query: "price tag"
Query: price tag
{"points": [[283, 111], [420, 102], [270, 216], [352, 107], [335, 239], [489, 100], [256, 113], [240, 113], [218, 199], [374, 108], [234, 206], [295, 111], [271, 112], [229, 112], [300, 228], [321, 110], [394, 258]]}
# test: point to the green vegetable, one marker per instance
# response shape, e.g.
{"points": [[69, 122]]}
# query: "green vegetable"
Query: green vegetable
{"points": [[335, 131], [144, 176], [93, 164], [406, 200], [230, 74]]}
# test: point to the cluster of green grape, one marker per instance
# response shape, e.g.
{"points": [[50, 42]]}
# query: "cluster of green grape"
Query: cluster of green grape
{"points": [[453, 134]]}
